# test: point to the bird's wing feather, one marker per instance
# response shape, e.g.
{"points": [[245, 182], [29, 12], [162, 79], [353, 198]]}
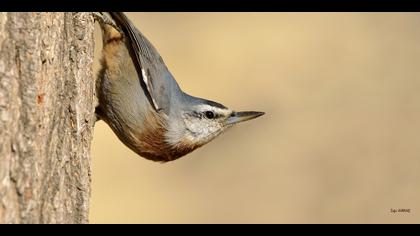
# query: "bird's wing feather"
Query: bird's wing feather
{"points": [[150, 67]]}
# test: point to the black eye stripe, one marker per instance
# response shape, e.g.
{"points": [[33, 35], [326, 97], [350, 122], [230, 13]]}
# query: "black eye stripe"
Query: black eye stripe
{"points": [[205, 114], [197, 114]]}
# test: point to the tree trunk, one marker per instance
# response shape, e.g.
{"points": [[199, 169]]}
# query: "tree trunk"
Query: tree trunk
{"points": [[47, 98]]}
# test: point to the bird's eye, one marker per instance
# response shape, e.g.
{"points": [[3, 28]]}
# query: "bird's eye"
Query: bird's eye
{"points": [[209, 114]]}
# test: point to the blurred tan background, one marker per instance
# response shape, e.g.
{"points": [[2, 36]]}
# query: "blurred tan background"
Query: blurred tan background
{"points": [[340, 141]]}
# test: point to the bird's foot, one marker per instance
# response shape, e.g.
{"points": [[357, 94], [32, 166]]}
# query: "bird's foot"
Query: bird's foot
{"points": [[105, 20]]}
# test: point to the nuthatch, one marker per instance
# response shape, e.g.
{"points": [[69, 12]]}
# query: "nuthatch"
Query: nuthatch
{"points": [[143, 104]]}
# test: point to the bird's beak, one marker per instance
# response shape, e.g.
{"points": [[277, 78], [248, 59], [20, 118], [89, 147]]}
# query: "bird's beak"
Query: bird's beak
{"points": [[237, 117]]}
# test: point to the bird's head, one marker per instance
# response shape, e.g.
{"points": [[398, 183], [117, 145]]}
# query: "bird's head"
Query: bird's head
{"points": [[202, 121]]}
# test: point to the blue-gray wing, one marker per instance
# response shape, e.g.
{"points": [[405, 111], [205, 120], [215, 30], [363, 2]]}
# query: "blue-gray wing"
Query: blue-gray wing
{"points": [[150, 67]]}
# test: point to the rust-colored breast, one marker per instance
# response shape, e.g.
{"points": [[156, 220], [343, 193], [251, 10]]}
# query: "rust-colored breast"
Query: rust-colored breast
{"points": [[151, 143]]}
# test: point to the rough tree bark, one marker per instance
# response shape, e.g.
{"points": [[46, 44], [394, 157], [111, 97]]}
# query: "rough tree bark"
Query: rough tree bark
{"points": [[47, 98]]}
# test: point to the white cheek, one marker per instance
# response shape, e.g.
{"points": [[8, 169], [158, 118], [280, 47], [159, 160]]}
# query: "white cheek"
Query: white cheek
{"points": [[201, 131]]}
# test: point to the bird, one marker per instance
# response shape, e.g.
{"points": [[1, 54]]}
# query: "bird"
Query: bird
{"points": [[141, 101]]}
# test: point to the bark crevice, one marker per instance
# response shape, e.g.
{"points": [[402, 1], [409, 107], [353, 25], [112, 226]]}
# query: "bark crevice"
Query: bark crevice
{"points": [[47, 115]]}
